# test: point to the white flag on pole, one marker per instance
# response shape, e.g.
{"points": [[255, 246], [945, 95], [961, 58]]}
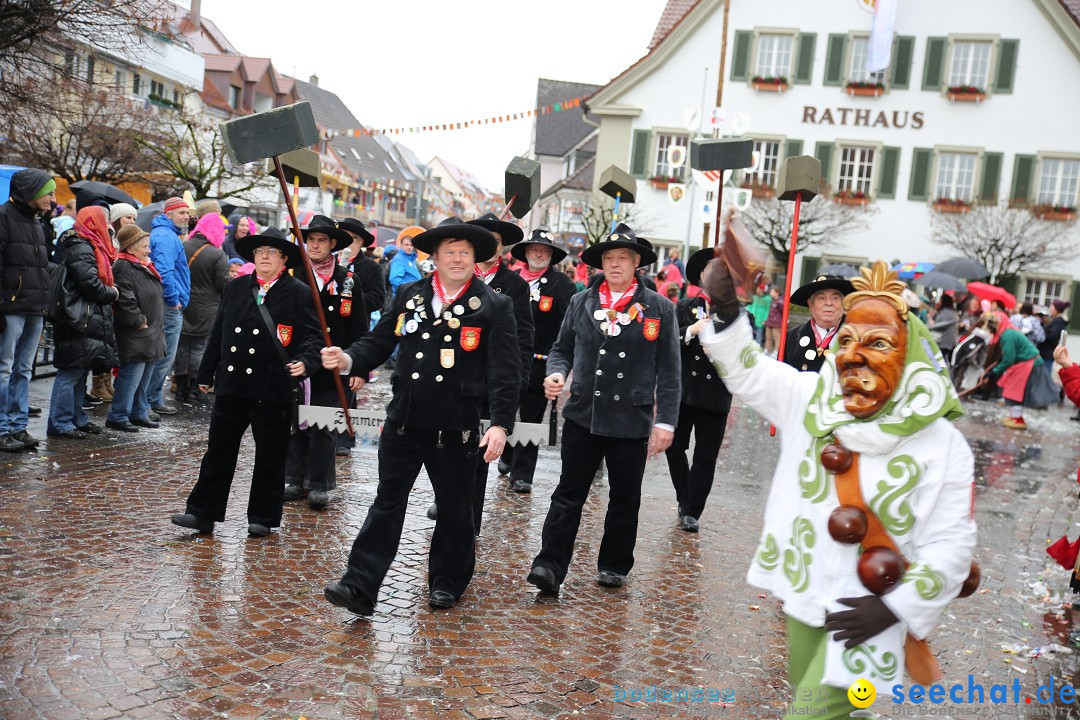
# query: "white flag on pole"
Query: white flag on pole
{"points": [[881, 35]]}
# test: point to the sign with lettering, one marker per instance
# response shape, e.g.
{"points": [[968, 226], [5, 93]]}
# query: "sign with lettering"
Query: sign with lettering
{"points": [[862, 117]]}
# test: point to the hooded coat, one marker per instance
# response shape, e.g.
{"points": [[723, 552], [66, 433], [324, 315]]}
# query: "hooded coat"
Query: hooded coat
{"points": [[24, 256], [94, 349]]}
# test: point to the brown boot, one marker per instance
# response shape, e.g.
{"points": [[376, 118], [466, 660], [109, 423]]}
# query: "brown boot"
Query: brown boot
{"points": [[99, 389], [109, 384]]}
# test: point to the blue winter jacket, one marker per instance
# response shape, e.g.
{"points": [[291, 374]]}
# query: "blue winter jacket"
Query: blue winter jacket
{"points": [[167, 254], [403, 269]]}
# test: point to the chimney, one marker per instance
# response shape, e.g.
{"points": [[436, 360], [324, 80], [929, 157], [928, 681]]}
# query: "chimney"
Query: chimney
{"points": [[195, 14], [314, 80]]}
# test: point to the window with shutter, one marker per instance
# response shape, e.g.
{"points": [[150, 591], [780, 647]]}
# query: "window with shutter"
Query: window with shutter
{"points": [[858, 59], [934, 66], [1006, 65], [639, 153], [991, 177], [792, 148], [768, 155], [919, 188], [804, 65], [890, 170], [955, 177], [856, 170], [823, 151], [810, 267], [1023, 175], [970, 64], [774, 56], [740, 54], [903, 55], [1059, 182], [834, 60]]}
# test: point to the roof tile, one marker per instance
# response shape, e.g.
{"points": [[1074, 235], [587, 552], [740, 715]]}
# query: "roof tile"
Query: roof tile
{"points": [[557, 132]]}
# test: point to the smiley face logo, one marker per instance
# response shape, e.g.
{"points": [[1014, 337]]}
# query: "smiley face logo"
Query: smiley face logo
{"points": [[862, 693]]}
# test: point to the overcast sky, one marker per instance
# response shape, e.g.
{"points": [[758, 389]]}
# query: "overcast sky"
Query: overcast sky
{"points": [[416, 62]]}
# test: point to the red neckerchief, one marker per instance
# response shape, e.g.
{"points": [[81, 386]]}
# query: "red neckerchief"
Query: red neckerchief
{"points": [[325, 269], [147, 264], [529, 276], [485, 275], [441, 294], [271, 281], [624, 301], [824, 343]]}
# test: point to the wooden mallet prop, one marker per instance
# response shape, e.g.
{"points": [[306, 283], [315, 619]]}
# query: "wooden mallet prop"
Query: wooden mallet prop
{"points": [[720, 155], [285, 133], [620, 185], [522, 186]]}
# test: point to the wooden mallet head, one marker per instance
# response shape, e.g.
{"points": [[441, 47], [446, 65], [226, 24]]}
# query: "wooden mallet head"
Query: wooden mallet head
{"points": [[800, 176], [720, 154], [303, 164], [522, 183], [271, 133], [616, 182]]}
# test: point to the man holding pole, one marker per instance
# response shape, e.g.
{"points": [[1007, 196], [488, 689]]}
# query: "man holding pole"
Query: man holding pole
{"points": [[457, 347]]}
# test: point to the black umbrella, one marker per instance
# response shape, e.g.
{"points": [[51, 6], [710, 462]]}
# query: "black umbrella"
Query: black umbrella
{"points": [[963, 268], [840, 269], [939, 280], [147, 213], [111, 193]]}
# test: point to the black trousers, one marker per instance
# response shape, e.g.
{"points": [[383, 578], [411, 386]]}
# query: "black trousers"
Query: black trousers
{"points": [[694, 483], [229, 419], [450, 463], [344, 439], [311, 452], [522, 458], [582, 452]]}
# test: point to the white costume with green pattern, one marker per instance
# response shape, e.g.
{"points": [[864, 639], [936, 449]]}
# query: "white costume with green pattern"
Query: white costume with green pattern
{"points": [[916, 473]]}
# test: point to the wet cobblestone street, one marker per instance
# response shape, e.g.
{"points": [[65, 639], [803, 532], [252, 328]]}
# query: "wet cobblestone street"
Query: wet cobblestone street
{"points": [[107, 610]]}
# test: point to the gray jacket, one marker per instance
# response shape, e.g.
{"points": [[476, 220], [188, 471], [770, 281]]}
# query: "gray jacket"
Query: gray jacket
{"points": [[618, 380], [944, 328]]}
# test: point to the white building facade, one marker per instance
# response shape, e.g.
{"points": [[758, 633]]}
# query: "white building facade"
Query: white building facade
{"points": [[979, 105]]}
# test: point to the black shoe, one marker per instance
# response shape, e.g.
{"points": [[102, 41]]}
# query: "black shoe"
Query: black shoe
{"points": [[348, 597], [33, 411], [520, 486], [145, 422], [72, 434], [8, 443], [257, 530], [433, 512], [124, 426], [610, 579], [543, 578], [688, 523], [318, 500], [193, 522], [28, 440], [504, 467], [90, 400], [441, 599], [164, 409], [295, 492], [90, 428], [343, 452], [153, 417]]}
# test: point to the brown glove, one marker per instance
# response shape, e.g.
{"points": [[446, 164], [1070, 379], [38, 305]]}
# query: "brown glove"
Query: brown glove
{"points": [[870, 617], [718, 283]]}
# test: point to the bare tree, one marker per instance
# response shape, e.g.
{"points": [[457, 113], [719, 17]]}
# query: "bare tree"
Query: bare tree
{"points": [[187, 151], [1007, 240], [599, 212], [822, 223]]}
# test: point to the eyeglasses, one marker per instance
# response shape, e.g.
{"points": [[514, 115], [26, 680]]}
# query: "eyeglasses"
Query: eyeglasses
{"points": [[271, 252]]}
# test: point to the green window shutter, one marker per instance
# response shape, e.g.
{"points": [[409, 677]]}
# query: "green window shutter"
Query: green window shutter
{"points": [[991, 177], [1005, 77], [792, 148], [934, 67], [639, 155], [890, 170], [834, 60], [810, 267], [921, 158], [804, 68], [1022, 179], [902, 56], [1074, 317], [823, 151], [740, 54]]}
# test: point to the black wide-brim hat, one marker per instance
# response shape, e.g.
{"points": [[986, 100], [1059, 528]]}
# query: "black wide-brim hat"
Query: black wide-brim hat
{"points": [[510, 233], [327, 226], [539, 237], [821, 282], [623, 237], [271, 237], [695, 265], [357, 228], [484, 243]]}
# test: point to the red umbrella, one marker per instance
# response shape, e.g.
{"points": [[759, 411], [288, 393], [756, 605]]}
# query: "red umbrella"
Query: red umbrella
{"points": [[986, 291]]}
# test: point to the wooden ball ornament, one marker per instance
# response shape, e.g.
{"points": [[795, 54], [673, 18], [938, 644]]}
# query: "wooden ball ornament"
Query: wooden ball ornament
{"points": [[971, 584], [847, 525], [836, 458], [880, 568]]}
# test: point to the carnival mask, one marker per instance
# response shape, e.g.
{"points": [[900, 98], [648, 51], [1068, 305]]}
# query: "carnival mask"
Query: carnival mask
{"points": [[872, 348]]}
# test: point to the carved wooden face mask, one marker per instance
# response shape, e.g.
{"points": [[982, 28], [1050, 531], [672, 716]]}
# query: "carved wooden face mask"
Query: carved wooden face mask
{"points": [[872, 352]]}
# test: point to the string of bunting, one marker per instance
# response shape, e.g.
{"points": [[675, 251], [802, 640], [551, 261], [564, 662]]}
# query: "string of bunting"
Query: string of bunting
{"points": [[434, 127]]}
